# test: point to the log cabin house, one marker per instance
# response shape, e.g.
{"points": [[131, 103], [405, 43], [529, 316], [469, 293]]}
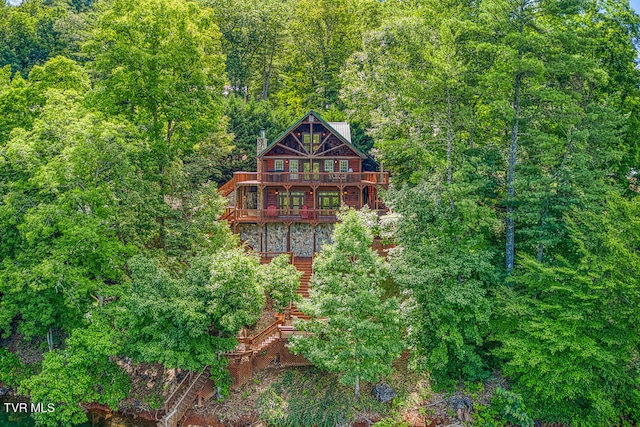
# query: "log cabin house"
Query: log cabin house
{"points": [[303, 177]]}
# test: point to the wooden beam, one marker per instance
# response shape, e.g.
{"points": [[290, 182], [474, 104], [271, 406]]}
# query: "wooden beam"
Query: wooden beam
{"points": [[291, 149], [335, 148]]}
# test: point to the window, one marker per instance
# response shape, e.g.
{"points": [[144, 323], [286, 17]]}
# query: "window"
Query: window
{"points": [[279, 165], [306, 141], [296, 201], [344, 166], [293, 169], [290, 205], [316, 141], [307, 168], [328, 202], [328, 165]]}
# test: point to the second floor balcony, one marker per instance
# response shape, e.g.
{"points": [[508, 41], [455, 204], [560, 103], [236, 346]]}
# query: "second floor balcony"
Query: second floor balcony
{"points": [[311, 178]]}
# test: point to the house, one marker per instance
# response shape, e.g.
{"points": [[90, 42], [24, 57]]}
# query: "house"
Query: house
{"points": [[303, 177]]}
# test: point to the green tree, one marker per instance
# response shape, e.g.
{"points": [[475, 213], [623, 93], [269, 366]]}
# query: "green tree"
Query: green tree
{"points": [[322, 35], [254, 32], [355, 329], [188, 323], [281, 280], [58, 213], [29, 35], [83, 372], [444, 264], [571, 350], [159, 63]]}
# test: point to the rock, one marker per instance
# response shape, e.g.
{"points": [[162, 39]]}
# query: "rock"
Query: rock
{"points": [[463, 407], [144, 376], [383, 392], [3, 391]]}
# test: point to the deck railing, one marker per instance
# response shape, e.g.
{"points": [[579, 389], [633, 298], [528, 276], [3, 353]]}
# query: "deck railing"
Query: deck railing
{"points": [[295, 215], [305, 178], [228, 187]]}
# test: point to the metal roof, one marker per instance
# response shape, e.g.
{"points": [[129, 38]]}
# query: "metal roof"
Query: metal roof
{"points": [[342, 128]]}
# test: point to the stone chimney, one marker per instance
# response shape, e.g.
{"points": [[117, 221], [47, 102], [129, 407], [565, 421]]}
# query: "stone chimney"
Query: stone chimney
{"points": [[261, 142]]}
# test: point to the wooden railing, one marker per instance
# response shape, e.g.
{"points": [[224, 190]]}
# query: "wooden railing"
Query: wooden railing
{"points": [[228, 187], [312, 177], [254, 343], [279, 215], [271, 331], [228, 214], [273, 254]]}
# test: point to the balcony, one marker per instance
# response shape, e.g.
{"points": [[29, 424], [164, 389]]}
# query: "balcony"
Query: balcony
{"points": [[312, 178], [289, 215]]}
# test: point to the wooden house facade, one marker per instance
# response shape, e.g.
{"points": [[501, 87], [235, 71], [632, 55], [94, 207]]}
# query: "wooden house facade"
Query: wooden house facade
{"points": [[303, 177]]}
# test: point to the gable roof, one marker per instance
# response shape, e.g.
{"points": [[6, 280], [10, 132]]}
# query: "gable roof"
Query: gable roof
{"points": [[343, 134]]}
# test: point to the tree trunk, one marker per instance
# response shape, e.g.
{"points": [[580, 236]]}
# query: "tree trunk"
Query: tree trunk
{"points": [[50, 339], [357, 389], [511, 172], [510, 247], [267, 75], [449, 141]]}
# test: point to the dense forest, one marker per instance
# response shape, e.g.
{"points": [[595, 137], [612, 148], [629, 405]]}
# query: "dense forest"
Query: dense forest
{"points": [[511, 129]]}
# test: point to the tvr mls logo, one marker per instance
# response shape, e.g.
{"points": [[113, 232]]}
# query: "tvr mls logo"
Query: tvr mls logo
{"points": [[25, 407]]}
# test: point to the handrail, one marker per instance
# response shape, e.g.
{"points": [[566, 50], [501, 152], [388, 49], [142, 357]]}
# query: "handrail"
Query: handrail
{"points": [[273, 254], [186, 399], [294, 214], [265, 334], [228, 213], [185, 381], [227, 187], [313, 177]]}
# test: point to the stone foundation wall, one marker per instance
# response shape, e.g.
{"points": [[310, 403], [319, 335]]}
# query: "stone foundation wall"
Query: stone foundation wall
{"points": [[301, 240], [324, 234], [250, 233], [276, 237]]}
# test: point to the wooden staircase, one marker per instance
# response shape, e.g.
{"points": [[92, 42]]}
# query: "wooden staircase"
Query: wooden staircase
{"points": [[179, 402], [228, 214], [228, 187], [305, 265]]}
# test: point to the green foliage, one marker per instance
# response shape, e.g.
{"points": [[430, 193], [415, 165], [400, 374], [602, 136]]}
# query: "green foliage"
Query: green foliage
{"points": [[169, 320], [281, 280], [246, 121], [160, 62], [58, 214], [571, 353], [506, 408], [83, 372], [29, 34], [355, 331], [309, 398], [11, 368], [444, 263]]}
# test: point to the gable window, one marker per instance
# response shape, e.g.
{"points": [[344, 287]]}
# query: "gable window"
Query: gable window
{"points": [[306, 141], [278, 165], [316, 141], [344, 166], [328, 165]]}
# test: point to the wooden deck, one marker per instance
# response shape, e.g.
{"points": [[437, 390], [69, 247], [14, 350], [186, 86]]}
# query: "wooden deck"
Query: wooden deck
{"points": [[261, 216], [311, 178]]}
